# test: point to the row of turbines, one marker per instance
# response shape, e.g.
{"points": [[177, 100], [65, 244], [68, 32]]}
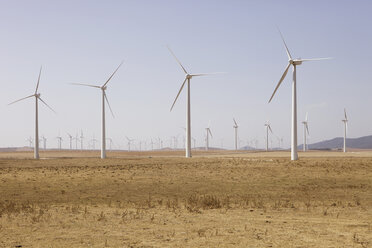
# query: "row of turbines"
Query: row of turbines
{"points": [[187, 81]]}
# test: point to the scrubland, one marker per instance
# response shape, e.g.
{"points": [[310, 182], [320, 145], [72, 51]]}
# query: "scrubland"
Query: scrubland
{"points": [[159, 199]]}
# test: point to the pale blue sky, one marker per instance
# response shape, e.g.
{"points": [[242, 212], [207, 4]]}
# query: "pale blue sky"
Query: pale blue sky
{"points": [[84, 41]]}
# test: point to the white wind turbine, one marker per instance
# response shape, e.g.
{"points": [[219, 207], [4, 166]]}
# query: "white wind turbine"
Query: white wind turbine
{"points": [[294, 63], [236, 133], [70, 138], [104, 97], [129, 142], [345, 129], [188, 107], [37, 98], [268, 127], [44, 141], [208, 130], [81, 140], [59, 138], [30, 141], [306, 132], [76, 140]]}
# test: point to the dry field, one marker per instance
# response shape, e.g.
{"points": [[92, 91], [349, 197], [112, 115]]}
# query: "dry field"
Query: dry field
{"points": [[159, 199]]}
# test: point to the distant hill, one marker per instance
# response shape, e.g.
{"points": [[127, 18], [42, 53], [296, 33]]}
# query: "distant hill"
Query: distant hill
{"points": [[364, 142]]}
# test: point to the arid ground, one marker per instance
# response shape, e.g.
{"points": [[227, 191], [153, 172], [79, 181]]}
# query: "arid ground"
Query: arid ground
{"points": [[160, 199]]}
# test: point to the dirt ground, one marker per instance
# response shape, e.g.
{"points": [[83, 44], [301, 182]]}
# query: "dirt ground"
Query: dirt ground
{"points": [[160, 199]]}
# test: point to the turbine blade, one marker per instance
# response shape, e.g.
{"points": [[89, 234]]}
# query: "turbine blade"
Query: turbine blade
{"points": [[113, 74], [183, 68], [89, 85], [270, 129], [286, 48], [21, 99], [235, 122], [38, 81], [47, 105], [210, 132], [306, 117], [316, 59], [280, 81], [179, 92], [108, 104], [307, 129], [345, 113]]}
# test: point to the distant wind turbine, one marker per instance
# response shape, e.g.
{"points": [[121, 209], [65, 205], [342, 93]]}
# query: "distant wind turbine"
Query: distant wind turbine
{"points": [[37, 98], [70, 138], [44, 141], [104, 97], [345, 129], [236, 133], [30, 141], [268, 127], [208, 130], [81, 140], [129, 142], [188, 116], [306, 131], [59, 138], [294, 63]]}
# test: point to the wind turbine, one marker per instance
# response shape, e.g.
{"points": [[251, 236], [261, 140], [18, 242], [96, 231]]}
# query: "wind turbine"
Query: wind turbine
{"points": [[59, 138], [70, 137], [110, 143], [188, 78], [268, 127], [81, 139], [129, 142], [76, 140], [104, 97], [208, 130], [94, 140], [294, 63], [236, 133], [44, 141], [30, 141], [306, 131], [37, 98], [345, 129]]}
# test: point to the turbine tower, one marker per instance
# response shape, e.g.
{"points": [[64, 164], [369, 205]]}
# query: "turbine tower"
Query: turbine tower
{"points": [[306, 131], [345, 129], [188, 78], [268, 127], [208, 130], [37, 98], [236, 133], [104, 97], [294, 63]]}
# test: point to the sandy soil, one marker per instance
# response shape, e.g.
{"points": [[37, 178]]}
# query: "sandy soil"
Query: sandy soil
{"points": [[159, 199]]}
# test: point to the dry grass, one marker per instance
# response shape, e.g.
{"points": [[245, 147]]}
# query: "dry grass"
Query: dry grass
{"points": [[223, 199]]}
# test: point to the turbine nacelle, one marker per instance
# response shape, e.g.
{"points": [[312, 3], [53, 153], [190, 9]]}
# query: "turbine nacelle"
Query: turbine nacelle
{"points": [[295, 61]]}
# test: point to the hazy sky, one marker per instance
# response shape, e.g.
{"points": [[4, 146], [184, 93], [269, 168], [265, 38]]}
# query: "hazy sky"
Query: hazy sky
{"points": [[84, 41]]}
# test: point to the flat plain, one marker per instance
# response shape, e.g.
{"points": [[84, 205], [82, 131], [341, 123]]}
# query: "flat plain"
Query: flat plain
{"points": [[160, 199]]}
